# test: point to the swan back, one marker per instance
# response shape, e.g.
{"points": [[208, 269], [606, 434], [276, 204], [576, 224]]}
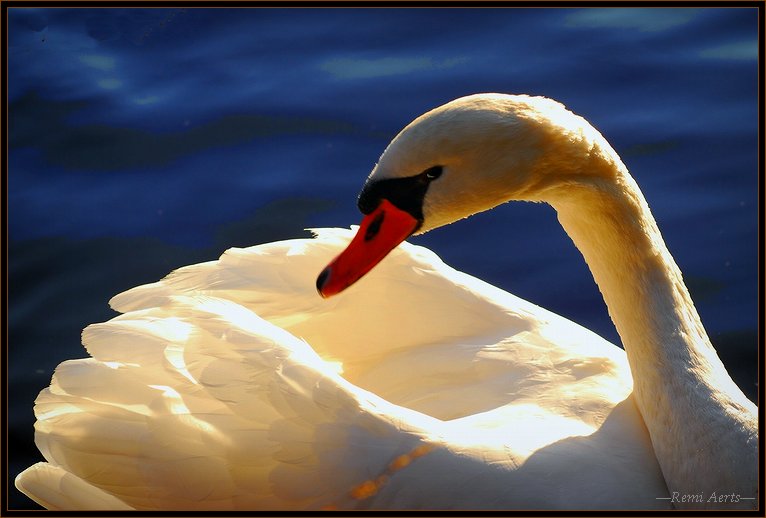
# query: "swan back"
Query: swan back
{"points": [[423, 334]]}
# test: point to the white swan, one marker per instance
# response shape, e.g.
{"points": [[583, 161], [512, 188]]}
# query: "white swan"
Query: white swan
{"points": [[232, 385]]}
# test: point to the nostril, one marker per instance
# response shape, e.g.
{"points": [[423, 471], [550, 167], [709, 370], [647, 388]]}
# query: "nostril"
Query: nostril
{"points": [[374, 227]]}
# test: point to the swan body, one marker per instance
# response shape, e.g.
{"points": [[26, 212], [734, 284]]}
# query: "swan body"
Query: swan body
{"points": [[214, 373], [232, 385]]}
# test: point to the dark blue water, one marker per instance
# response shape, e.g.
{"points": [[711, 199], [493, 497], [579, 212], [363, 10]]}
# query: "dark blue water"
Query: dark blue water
{"points": [[145, 139]]}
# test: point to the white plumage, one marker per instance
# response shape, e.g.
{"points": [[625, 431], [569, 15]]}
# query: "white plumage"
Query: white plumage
{"points": [[233, 385], [206, 394]]}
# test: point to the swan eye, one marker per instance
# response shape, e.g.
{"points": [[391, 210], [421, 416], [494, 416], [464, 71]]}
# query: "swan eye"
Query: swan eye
{"points": [[432, 173]]}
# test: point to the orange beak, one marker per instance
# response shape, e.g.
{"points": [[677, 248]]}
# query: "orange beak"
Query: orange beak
{"points": [[379, 233]]}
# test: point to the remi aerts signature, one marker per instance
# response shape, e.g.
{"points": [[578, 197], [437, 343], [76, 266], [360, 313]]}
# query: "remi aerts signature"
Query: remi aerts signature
{"points": [[705, 498]]}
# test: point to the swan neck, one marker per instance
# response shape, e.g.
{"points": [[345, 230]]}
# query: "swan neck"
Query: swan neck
{"points": [[642, 286], [688, 400]]}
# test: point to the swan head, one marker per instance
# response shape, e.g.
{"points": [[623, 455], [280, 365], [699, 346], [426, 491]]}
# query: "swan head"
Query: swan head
{"points": [[464, 157]]}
